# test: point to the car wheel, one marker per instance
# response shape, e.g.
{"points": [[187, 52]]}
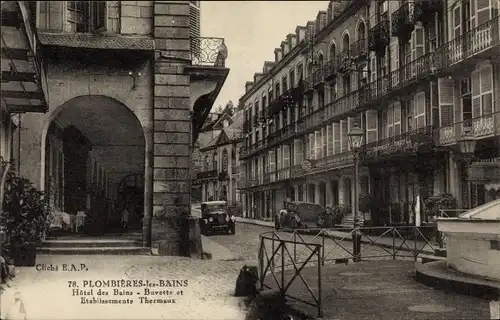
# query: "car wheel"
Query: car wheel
{"points": [[232, 229]]}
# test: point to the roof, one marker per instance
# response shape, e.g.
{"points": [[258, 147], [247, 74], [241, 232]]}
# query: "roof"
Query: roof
{"points": [[488, 211], [229, 134], [96, 41]]}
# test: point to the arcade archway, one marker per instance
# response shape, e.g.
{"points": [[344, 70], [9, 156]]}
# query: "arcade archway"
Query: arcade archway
{"points": [[94, 145]]}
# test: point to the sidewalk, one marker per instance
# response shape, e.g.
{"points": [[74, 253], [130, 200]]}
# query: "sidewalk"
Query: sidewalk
{"points": [[386, 242], [50, 294], [365, 291]]}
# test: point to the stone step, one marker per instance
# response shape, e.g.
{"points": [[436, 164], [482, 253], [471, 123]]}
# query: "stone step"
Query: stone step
{"points": [[94, 250], [91, 243], [430, 258]]}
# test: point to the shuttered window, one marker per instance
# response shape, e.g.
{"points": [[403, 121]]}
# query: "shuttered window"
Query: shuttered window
{"points": [[373, 67], [390, 121], [482, 92], [371, 126], [286, 156], [329, 137], [311, 146], [345, 142], [394, 50], [298, 151], [279, 157], [417, 50], [420, 109], [324, 141], [445, 91], [318, 144], [336, 138], [483, 14], [397, 118]]}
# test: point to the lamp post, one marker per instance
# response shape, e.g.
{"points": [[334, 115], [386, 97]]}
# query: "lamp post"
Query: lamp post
{"points": [[467, 144], [355, 139]]}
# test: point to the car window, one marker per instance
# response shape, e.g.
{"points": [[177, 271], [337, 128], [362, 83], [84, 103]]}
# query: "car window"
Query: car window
{"points": [[216, 208]]}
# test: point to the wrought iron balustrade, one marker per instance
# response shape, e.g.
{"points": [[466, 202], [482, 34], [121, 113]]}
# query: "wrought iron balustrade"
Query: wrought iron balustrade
{"points": [[207, 51], [281, 134], [473, 42], [243, 152], [344, 60], [399, 145], [267, 177], [359, 49], [424, 10], [283, 174], [334, 161], [379, 37], [486, 171], [402, 21], [207, 174], [296, 171], [318, 76], [483, 126], [308, 84], [330, 69]]}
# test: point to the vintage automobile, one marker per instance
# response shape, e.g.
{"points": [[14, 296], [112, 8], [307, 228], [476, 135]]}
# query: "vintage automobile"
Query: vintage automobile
{"points": [[215, 217], [301, 215]]}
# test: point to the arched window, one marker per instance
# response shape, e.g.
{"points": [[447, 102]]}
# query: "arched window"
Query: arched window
{"points": [[320, 60], [225, 160], [361, 31], [345, 42], [333, 52], [309, 69]]}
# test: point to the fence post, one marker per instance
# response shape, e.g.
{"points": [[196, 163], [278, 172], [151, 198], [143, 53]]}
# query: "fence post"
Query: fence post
{"points": [[282, 244], [320, 307], [393, 243], [272, 251], [323, 248], [294, 246], [261, 263], [415, 254]]}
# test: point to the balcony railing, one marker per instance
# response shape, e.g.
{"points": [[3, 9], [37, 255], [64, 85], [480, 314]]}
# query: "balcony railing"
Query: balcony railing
{"points": [[330, 69], [331, 162], [400, 145], [344, 61], [207, 174], [243, 152], [210, 52], [318, 76], [359, 49], [402, 21], [485, 171], [471, 43], [379, 37], [424, 10], [308, 84], [281, 134], [480, 127]]}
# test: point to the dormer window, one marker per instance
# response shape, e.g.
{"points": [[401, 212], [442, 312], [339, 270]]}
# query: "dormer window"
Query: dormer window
{"points": [[86, 16]]}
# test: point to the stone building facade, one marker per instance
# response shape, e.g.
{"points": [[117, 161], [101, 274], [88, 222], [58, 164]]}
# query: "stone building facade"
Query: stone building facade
{"points": [[128, 89], [404, 72]]}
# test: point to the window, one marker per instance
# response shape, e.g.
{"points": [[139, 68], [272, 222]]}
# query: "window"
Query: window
{"points": [[346, 81], [284, 81], [87, 16], [466, 99], [300, 70], [277, 89], [382, 8], [292, 78], [321, 98]]}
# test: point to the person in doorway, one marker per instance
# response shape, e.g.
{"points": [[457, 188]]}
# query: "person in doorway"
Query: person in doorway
{"points": [[124, 218]]}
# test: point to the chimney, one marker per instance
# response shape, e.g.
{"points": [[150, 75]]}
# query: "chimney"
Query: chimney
{"points": [[300, 32], [248, 86], [278, 54]]}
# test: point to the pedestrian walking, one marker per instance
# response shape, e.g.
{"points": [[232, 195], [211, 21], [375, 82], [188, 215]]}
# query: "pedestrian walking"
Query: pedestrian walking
{"points": [[124, 219]]}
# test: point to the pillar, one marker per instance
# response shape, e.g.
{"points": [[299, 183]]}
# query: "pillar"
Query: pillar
{"points": [[172, 128], [296, 192], [341, 191], [304, 192], [317, 193], [329, 200], [203, 192]]}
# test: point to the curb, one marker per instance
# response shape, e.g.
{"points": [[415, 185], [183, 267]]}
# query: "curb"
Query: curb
{"points": [[306, 232], [425, 276]]}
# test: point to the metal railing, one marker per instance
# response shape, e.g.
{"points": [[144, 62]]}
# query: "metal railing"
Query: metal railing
{"points": [[318, 76], [207, 51], [471, 43], [284, 255], [479, 127], [330, 69], [402, 20], [379, 36], [359, 49], [207, 174]]}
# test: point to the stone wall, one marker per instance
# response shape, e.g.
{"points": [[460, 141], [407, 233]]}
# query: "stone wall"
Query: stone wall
{"points": [[172, 126]]}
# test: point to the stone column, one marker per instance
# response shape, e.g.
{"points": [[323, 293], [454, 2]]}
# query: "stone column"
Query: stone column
{"points": [[304, 192], [341, 191], [172, 128], [329, 200], [317, 193]]}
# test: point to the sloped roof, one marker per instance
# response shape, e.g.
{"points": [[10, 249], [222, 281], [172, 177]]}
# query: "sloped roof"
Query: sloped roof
{"points": [[231, 133]]}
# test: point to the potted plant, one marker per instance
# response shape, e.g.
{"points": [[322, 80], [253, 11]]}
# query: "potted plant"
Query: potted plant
{"points": [[25, 218], [365, 204]]}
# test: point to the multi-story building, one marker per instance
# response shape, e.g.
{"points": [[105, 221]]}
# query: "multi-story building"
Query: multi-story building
{"points": [[220, 174], [418, 77], [127, 85]]}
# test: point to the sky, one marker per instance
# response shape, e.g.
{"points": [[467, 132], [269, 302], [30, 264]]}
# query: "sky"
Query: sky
{"points": [[252, 29]]}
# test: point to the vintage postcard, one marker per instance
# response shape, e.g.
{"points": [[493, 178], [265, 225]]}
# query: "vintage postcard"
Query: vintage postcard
{"points": [[253, 160]]}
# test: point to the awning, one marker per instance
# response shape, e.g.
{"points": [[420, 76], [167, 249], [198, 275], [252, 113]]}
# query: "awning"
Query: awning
{"points": [[24, 83]]}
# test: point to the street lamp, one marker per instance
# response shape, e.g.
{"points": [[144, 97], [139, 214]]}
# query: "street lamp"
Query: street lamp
{"points": [[467, 144], [355, 140]]}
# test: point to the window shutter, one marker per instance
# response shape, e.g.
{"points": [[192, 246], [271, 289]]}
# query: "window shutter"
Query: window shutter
{"points": [[373, 67], [272, 163], [99, 15], [329, 136], [457, 21], [311, 146], [390, 121], [344, 142], [279, 157], [394, 50], [286, 156], [371, 126], [420, 109], [318, 144], [487, 90], [336, 138], [483, 13], [476, 93], [397, 118], [324, 142], [417, 50], [445, 91]]}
